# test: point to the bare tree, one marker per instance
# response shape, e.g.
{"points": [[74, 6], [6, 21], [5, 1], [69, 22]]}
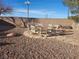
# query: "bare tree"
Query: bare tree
{"points": [[5, 9]]}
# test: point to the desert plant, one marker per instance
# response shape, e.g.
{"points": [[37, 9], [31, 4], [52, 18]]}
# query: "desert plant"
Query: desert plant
{"points": [[75, 18], [73, 6]]}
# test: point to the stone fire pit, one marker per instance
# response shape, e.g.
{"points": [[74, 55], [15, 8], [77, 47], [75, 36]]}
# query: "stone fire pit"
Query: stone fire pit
{"points": [[45, 31]]}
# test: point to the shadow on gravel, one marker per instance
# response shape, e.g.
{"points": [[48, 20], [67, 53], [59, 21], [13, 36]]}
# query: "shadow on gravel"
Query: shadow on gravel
{"points": [[61, 34], [4, 44], [4, 26], [67, 34]]}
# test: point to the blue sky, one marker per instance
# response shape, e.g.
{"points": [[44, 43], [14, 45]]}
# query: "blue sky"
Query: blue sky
{"points": [[38, 8]]}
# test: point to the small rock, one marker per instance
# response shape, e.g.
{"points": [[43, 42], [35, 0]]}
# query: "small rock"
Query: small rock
{"points": [[10, 34], [25, 33]]}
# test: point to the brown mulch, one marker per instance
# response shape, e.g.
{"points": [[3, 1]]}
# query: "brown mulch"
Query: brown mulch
{"points": [[21, 47]]}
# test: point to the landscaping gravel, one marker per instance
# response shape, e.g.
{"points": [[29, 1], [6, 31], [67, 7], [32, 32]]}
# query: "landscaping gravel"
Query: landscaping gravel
{"points": [[21, 47]]}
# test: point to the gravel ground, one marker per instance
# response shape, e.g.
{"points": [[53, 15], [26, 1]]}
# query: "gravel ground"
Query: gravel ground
{"points": [[22, 47]]}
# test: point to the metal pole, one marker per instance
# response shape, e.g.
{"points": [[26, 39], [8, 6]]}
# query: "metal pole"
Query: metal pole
{"points": [[27, 10], [28, 4], [28, 16]]}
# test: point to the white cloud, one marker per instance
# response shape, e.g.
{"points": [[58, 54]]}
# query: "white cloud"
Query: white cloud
{"points": [[36, 12], [25, 11]]}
